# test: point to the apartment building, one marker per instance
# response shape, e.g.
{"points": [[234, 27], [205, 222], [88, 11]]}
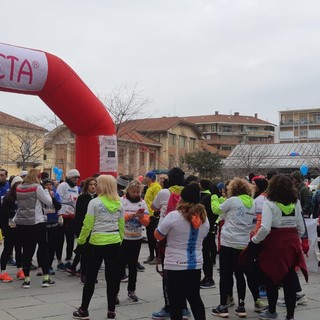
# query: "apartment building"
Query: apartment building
{"points": [[301, 125], [225, 132]]}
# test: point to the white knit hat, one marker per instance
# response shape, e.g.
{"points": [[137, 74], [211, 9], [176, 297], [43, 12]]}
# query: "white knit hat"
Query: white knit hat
{"points": [[23, 173], [73, 173], [15, 180]]}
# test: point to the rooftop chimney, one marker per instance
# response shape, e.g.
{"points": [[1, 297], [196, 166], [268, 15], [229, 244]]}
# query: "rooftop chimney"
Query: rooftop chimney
{"points": [[236, 113], [216, 113], [256, 115]]}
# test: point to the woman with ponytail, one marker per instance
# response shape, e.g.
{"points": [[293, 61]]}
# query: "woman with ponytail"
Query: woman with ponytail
{"points": [[184, 229]]}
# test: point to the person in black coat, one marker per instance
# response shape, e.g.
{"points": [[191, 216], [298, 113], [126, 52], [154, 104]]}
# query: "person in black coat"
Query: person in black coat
{"points": [[88, 193], [9, 230], [209, 249]]}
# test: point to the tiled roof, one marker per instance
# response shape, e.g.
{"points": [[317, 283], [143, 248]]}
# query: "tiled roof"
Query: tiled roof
{"points": [[158, 124], [232, 142], [204, 146], [134, 136], [10, 121], [225, 118]]}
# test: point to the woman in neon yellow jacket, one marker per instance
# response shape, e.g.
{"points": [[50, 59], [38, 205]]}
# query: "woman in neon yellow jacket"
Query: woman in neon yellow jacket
{"points": [[104, 223]]}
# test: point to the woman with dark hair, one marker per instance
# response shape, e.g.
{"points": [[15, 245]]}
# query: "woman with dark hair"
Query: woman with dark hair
{"points": [[209, 249], [88, 193], [281, 228], [184, 228], [260, 186], [9, 231], [163, 204]]}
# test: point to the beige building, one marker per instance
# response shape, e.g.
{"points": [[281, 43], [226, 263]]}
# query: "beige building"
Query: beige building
{"points": [[143, 145], [59, 151], [225, 132], [302, 125], [169, 138], [21, 144]]}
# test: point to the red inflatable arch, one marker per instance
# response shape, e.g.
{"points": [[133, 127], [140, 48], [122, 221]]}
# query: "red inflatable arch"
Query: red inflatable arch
{"points": [[36, 72]]}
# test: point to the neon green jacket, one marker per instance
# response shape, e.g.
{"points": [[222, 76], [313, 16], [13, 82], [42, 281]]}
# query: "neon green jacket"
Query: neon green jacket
{"points": [[104, 222]]}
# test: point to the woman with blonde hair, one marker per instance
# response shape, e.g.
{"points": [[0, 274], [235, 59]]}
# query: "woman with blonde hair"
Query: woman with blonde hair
{"points": [[184, 229], [136, 215], [31, 225], [105, 221]]}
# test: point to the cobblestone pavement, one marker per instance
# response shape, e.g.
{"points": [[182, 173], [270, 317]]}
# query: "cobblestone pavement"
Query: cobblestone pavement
{"points": [[60, 301]]}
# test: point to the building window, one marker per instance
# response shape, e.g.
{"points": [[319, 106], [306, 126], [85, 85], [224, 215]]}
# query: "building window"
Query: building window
{"points": [[303, 118], [182, 142], [226, 148], [142, 158], [192, 144], [171, 161], [132, 156], [72, 153], [121, 156], [316, 117], [151, 159], [172, 139], [226, 129]]}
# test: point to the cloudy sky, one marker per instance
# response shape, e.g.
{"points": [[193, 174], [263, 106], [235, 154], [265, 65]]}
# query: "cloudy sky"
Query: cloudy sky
{"points": [[188, 57]]}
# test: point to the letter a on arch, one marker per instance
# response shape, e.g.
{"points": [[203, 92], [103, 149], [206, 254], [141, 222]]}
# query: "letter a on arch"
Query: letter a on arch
{"points": [[35, 72]]}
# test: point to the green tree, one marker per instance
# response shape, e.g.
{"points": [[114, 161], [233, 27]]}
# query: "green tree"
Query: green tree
{"points": [[204, 163]]}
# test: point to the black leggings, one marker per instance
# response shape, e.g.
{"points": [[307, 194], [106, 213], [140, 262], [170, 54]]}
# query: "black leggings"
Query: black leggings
{"points": [[31, 236], [289, 288], [67, 230], [209, 252], [228, 259], [10, 240], [130, 250], [185, 284], [152, 242], [110, 255]]}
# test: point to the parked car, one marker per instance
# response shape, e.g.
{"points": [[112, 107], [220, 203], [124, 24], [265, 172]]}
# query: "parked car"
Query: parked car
{"points": [[313, 186]]}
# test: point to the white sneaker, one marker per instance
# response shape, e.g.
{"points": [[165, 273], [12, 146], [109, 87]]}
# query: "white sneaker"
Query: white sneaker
{"points": [[301, 299]]}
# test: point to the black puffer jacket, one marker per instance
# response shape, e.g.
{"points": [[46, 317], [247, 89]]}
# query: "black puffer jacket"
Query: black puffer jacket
{"points": [[81, 210], [305, 198]]}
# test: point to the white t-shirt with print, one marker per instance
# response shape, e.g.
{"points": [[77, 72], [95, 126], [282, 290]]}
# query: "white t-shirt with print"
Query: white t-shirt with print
{"points": [[133, 227], [184, 243]]}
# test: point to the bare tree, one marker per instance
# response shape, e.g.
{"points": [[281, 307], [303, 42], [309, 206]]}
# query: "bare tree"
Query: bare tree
{"points": [[47, 122], [249, 158], [25, 147], [125, 104]]}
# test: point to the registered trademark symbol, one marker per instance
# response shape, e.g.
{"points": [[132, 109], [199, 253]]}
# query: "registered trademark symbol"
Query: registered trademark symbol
{"points": [[35, 64]]}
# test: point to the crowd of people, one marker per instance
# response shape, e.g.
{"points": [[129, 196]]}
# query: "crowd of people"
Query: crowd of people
{"points": [[255, 225]]}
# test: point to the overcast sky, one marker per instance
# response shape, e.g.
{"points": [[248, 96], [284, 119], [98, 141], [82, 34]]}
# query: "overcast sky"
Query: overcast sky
{"points": [[189, 57]]}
